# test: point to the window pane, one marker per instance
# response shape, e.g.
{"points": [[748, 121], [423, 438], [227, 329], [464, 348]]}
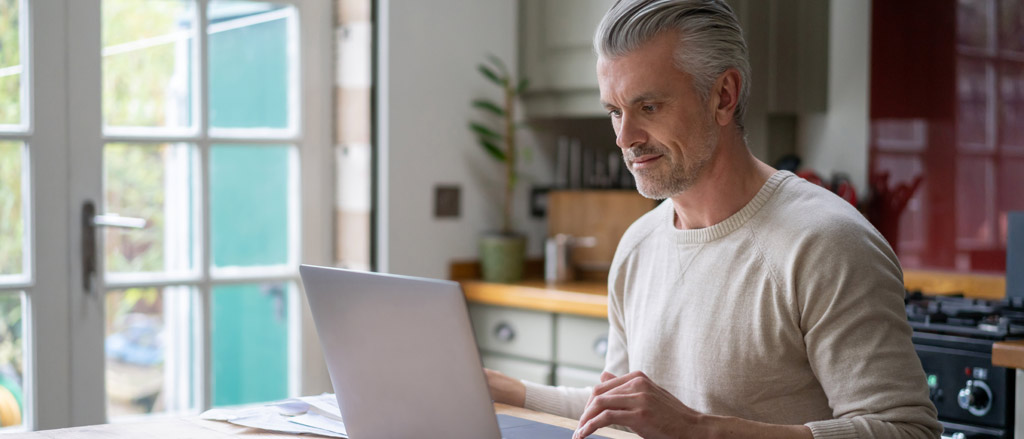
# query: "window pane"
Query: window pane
{"points": [[976, 94], [147, 63], [12, 223], [250, 64], [150, 351], [975, 202], [250, 187], [249, 342], [11, 360], [10, 63], [154, 182]]}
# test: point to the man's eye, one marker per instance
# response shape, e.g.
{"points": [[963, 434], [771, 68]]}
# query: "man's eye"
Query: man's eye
{"points": [[648, 108], [615, 113]]}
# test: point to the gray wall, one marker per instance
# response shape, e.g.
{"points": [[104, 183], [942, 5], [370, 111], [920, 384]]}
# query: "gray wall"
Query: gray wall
{"points": [[427, 55], [837, 141]]}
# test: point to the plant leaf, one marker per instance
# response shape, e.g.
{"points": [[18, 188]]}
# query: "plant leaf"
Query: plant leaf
{"points": [[484, 104], [483, 131], [493, 150], [489, 74], [498, 63], [523, 83]]}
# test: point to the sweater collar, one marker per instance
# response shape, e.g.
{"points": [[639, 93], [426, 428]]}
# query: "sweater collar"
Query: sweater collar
{"points": [[730, 224]]}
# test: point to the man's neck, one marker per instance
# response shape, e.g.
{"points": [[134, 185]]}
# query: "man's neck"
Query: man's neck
{"points": [[729, 182]]}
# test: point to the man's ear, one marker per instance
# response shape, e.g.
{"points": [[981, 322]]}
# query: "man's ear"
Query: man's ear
{"points": [[725, 95]]}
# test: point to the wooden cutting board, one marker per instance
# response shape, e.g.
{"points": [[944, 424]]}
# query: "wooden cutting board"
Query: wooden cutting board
{"points": [[603, 214]]}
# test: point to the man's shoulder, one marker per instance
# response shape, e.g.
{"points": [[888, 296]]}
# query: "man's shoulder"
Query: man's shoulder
{"points": [[807, 219], [645, 226], [804, 208]]}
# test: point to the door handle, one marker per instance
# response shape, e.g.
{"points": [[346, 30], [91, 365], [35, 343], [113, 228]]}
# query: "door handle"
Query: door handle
{"points": [[90, 221]]}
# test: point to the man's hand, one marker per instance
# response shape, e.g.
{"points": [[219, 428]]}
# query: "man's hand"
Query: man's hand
{"points": [[634, 401], [505, 389]]}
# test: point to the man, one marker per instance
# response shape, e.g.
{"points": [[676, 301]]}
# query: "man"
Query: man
{"points": [[750, 303]]}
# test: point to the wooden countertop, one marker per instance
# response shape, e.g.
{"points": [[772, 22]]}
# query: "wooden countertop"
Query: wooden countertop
{"points": [[581, 298], [589, 298], [1008, 354], [193, 427]]}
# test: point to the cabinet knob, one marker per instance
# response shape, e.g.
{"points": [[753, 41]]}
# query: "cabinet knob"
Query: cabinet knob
{"points": [[601, 346], [504, 332]]}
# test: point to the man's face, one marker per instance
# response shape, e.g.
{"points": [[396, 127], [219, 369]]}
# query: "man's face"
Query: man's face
{"points": [[667, 133]]}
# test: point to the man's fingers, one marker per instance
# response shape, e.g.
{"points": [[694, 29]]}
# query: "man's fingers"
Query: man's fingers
{"points": [[605, 376], [613, 400], [604, 419], [616, 381]]}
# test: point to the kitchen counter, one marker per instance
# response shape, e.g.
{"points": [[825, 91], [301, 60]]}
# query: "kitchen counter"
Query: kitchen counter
{"points": [[579, 298], [1009, 354], [589, 298]]}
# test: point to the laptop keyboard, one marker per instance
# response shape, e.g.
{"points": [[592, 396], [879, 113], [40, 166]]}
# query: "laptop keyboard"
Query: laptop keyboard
{"points": [[519, 428]]}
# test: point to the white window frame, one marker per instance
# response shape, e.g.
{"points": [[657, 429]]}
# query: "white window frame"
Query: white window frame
{"points": [[65, 384]]}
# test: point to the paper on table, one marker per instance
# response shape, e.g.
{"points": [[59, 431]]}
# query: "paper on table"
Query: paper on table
{"points": [[273, 421], [324, 404], [310, 414], [315, 420]]}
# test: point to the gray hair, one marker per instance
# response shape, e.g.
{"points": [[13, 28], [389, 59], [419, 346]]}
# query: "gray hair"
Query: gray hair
{"points": [[711, 40]]}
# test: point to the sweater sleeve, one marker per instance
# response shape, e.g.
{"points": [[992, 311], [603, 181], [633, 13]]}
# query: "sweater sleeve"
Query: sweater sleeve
{"points": [[569, 402], [849, 288]]}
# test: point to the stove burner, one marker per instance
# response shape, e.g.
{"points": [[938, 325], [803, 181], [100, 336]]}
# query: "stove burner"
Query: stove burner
{"points": [[991, 319]]}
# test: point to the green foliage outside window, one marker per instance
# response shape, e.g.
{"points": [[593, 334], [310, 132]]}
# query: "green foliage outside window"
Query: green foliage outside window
{"points": [[10, 56]]}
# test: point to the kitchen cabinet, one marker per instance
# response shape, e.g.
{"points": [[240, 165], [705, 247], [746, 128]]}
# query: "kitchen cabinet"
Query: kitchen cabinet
{"points": [[556, 52], [554, 341], [788, 42]]}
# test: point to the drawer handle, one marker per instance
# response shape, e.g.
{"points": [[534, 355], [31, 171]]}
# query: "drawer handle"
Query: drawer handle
{"points": [[601, 346], [504, 332]]}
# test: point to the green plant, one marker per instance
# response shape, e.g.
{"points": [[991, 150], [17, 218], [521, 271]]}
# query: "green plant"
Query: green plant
{"points": [[500, 143]]}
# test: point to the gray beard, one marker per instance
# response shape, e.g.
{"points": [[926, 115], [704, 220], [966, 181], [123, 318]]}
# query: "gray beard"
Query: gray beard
{"points": [[680, 178]]}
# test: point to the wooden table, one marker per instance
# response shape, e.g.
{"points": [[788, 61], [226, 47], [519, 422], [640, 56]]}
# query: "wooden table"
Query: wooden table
{"points": [[194, 428]]}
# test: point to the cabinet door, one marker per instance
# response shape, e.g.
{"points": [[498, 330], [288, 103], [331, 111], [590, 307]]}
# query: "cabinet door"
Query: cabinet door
{"points": [[581, 341], [515, 332], [576, 377], [533, 371], [557, 43]]}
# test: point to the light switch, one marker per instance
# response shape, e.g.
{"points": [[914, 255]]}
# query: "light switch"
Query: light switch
{"points": [[447, 201]]}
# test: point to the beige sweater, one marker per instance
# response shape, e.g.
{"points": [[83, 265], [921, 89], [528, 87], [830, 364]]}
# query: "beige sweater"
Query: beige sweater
{"points": [[788, 312]]}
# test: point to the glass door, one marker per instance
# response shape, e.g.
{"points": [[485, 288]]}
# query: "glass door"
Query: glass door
{"points": [[178, 147]]}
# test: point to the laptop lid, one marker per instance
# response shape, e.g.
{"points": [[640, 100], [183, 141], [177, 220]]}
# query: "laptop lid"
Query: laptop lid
{"points": [[401, 355]]}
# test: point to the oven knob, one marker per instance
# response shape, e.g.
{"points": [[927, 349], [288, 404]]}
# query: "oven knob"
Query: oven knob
{"points": [[975, 397]]}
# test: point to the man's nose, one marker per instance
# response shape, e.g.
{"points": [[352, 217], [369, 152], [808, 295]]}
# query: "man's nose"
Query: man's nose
{"points": [[630, 133]]}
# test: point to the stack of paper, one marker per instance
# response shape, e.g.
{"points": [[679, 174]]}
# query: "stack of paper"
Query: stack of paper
{"points": [[308, 414]]}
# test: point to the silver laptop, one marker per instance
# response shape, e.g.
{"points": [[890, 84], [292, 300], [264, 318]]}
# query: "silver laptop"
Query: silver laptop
{"points": [[402, 358]]}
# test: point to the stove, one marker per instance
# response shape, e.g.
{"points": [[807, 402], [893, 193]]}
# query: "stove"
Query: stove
{"points": [[953, 336]]}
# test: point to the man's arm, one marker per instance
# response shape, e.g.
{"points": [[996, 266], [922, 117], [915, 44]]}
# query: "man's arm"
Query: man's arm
{"points": [[634, 401], [505, 389]]}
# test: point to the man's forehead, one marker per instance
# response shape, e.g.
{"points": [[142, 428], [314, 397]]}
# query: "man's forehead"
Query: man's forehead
{"points": [[624, 81]]}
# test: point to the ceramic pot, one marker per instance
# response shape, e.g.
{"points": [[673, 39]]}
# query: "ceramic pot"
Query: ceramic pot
{"points": [[501, 257]]}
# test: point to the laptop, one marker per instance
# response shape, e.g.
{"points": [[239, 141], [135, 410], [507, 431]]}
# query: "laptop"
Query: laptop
{"points": [[402, 358]]}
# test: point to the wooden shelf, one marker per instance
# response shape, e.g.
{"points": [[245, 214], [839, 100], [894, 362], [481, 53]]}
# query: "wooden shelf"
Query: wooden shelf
{"points": [[580, 298]]}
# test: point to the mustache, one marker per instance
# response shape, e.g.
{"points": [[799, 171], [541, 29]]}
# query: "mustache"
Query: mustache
{"points": [[632, 153]]}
